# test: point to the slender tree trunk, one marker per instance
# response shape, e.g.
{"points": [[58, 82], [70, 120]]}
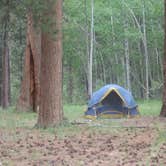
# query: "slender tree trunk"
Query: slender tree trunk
{"points": [[144, 41], [0, 70], [5, 61], [163, 109], [50, 109], [146, 55], [158, 57], [5, 73], [90, 63], [30, 86], [87, 44], [103, 68], [128, 82], [9, 80], [114, 44], [70, 83], [123, 73], [21, 57], [127, 57]]}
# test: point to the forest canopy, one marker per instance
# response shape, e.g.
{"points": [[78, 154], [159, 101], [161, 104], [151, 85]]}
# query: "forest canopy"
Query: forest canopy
{"points": [[127, 45]]}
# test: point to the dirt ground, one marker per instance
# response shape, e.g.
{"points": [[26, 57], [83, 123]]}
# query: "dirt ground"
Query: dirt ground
{"points": [[137, 142]]}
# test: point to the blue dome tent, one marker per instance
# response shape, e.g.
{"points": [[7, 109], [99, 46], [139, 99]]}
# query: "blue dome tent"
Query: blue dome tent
{"points": [[111, 101]]}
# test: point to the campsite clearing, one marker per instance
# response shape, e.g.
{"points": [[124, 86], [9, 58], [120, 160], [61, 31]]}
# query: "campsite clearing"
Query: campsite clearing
{"points": [[121, 142]]}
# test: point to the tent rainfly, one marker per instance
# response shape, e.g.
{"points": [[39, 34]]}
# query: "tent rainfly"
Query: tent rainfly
{"points": [[112, 101]]}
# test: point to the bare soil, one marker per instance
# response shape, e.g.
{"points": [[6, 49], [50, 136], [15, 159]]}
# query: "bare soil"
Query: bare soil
{"points": [[136, 142]]}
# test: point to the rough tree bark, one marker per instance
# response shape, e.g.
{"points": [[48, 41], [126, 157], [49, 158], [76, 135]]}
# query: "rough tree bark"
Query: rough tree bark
{"points": [[30, 86], [50, 109], [163, 109]]}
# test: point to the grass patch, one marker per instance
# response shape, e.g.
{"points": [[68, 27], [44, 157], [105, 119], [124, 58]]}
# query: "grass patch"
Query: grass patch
{"points": [[146, 108], [150, 108], [73, 112], [12, 119]]}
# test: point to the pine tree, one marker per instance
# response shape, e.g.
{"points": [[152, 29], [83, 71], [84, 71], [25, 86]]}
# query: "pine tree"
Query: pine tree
{"points": [[50, 108]]}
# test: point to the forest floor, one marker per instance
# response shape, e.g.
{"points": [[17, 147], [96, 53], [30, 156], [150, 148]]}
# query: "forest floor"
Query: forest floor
{"points": [[129, 142]]}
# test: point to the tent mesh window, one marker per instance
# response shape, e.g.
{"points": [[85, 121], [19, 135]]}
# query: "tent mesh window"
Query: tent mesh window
{"points": [[113, 100]]}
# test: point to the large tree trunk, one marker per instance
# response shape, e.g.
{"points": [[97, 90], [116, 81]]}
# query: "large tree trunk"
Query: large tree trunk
{"points": [[163, 109], [30, 87], [50, 109]]}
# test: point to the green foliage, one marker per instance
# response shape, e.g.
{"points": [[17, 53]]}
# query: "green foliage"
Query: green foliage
{"points": [[146, 108], [108, 59], [150, 108]]}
